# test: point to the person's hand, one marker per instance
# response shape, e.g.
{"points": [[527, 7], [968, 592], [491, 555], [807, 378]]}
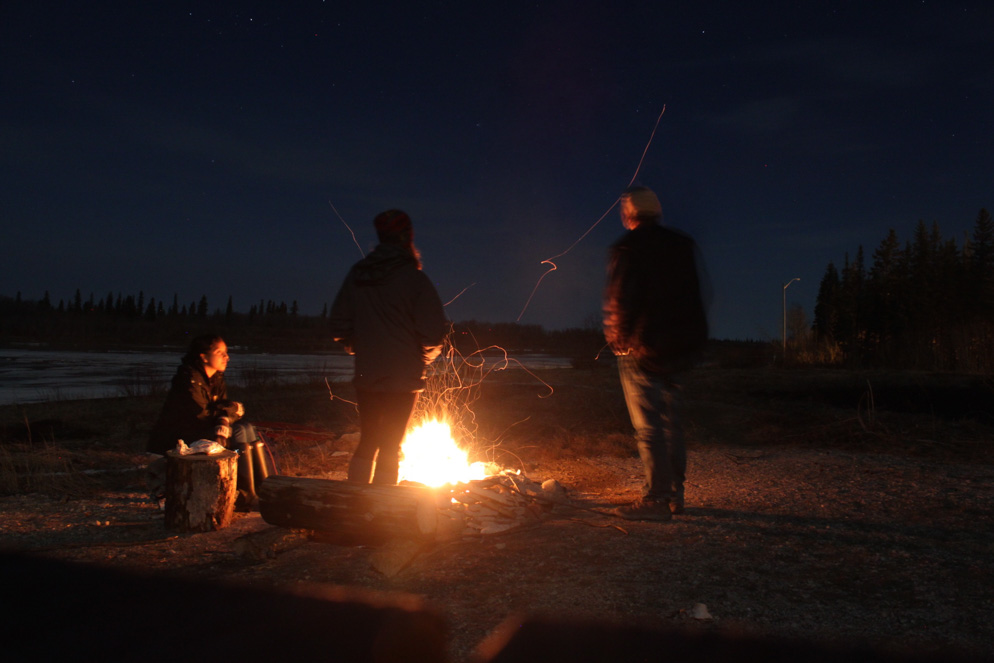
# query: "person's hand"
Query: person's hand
{"points": [[222, 430], [239, 410]]}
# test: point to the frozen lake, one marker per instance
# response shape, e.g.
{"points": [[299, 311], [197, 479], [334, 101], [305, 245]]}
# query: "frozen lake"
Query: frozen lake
{"points": [[33, 376]]}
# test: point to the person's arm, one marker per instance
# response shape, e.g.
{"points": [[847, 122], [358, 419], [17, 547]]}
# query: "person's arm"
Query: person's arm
{"points": [[430, 323], [224, 411], [619, 302], [343, 317]]}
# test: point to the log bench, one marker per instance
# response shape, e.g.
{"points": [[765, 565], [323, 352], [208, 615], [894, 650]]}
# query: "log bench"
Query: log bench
{"points": [[354, 513]]}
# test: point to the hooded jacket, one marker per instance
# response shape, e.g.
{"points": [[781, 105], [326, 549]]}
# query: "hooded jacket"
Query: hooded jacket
{"points": [[653, 307], [389, 315], [193, 408]]}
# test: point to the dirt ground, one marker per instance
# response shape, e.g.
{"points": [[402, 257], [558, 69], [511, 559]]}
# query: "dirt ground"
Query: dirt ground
{"points": [[834, 546]]}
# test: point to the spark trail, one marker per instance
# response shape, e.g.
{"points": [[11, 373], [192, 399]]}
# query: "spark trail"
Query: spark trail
{"points": [[347, 227], [549, 261], [460, 294]]}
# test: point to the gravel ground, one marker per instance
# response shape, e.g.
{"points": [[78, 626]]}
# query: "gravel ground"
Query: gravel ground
{"points": [[829, 546]]}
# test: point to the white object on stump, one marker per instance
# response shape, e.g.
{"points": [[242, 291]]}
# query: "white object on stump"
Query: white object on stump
{"points": [[201, 490]]}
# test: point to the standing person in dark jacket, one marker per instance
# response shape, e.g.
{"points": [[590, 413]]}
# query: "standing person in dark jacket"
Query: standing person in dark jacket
{"points": [[389, 315], [654, 321]]}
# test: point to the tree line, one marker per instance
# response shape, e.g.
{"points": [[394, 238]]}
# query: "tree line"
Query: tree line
{"points": [[926, 304], [118, 320], [128, 320]]}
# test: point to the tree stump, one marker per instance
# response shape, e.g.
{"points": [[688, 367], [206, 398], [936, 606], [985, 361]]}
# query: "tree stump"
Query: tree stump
{"points": [[200, 490], [351, 512]]}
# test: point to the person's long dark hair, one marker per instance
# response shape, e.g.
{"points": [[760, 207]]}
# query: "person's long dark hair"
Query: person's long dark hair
{"points": [[201, 345]]}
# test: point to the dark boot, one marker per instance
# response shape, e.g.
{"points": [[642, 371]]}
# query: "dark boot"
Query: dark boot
{"points": [[247, 499]]}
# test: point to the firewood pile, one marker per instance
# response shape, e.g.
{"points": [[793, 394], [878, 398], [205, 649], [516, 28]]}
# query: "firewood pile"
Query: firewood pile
{"points": [[496, 504]]}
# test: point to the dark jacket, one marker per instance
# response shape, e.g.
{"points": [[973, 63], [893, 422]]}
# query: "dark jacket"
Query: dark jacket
{"points": [[389, 315], [653, 308], [194, 406]]}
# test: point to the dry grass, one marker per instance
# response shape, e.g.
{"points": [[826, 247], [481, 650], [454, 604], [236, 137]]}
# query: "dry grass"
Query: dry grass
{"points": [[43, 468], [515, 419]]}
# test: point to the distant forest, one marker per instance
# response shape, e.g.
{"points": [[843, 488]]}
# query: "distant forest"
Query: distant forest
{"points": [[118, 321], [927, 304]]}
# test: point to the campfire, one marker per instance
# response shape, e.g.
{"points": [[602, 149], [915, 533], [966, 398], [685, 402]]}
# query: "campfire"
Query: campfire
{"points": [[482, 497], [430, 456], [441, 495]]}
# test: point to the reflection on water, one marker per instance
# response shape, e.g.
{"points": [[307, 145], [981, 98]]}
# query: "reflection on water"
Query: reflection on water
{"points": [[33, 376]]}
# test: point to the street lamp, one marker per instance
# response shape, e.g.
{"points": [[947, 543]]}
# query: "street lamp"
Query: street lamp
{"points": [[797, 278]]}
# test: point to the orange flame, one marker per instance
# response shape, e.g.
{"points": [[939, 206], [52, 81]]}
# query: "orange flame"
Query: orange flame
{"points": [[430, 456]]}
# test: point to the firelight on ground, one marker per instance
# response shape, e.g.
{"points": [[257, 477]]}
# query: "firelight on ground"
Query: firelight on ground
{"points": [[430, 456]]}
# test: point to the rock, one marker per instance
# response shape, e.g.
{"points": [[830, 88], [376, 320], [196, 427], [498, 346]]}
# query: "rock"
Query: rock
{"points": [[554, 490], [700, 611]]}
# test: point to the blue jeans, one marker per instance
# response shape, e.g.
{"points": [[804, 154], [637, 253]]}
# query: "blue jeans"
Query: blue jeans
{"points": [[242, 433], [653, 403]]}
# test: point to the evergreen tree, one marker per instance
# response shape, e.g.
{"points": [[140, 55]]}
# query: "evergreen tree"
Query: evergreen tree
{"points": [[885, 297], [826, 305], [850, 331], [981, 268]]}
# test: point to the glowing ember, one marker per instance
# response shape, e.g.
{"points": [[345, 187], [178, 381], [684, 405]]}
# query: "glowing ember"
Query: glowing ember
{"points": [[430, 456]]}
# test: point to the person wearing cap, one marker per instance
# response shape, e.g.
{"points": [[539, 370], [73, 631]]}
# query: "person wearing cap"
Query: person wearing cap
{"points": [[656, 325], [388, 314]]}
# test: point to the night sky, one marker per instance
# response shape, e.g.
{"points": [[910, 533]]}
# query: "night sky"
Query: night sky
{"points": [[198, 148]]}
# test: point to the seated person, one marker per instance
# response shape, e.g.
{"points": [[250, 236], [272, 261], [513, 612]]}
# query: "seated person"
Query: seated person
{"points": [[197, 408]]}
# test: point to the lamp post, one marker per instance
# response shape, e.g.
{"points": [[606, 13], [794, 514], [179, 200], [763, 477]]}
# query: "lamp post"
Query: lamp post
{"points": [[785, 285]]}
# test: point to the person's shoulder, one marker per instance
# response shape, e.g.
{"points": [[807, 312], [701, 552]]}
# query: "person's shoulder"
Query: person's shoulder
{"points": [[423, 280], [668, 232], [626, 241], [190, 374], [660, 234]]}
